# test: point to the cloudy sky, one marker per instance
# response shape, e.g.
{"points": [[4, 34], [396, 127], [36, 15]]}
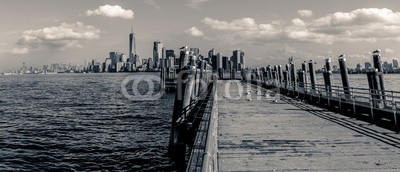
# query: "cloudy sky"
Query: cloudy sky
{"points": [[48, 31]]}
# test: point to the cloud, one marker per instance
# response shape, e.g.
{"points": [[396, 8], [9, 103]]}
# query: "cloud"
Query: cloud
{"points": [[19, 51], [389, 51], [244, 30], [111, 11], [57, 37], [196, 3], [305, 13], [152, 3], [360, 25], [194, 32]]}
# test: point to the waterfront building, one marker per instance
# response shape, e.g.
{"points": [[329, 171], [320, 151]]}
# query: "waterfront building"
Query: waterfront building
{"points": [[183, 57], [225, 63], [395, 63], [358, 68], [211, 53], [132, 46], [368, 66], [214, 62], [195, 51], [242, 60], [238, 58], [157, 53], [219, 61], [235, 59], [169, 53]]}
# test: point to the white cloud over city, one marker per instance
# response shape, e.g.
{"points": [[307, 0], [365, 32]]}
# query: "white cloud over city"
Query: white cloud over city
{"points": [[194, 31], [56, 37], [196, 3], [305, 13], [360, 25], [111, 11]]}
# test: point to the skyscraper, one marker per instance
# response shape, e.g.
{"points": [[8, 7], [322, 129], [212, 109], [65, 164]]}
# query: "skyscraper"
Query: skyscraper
{"points": [[132, 42], [195, 51], [183, 57], [238, 58], [395, 63], [219, 60], [211, 53], [242, 59], [235, 59], [225, 63], [157, 53]]}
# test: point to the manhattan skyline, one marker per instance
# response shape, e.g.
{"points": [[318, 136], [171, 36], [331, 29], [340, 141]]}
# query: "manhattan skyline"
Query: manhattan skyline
{"points": [[268, 31]]}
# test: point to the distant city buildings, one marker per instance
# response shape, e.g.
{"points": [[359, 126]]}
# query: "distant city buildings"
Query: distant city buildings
{"points": [[387, 67]]}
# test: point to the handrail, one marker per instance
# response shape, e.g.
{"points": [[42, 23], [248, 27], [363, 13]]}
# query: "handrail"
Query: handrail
{"points": [[392, 98]]}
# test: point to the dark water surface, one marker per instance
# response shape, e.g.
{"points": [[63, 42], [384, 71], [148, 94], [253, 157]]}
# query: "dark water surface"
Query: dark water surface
{"points": [[75, 122], [82, 122]]}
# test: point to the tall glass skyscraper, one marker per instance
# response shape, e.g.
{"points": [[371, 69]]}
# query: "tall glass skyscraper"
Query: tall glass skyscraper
{"points": [[157, 53], [132, 46]]}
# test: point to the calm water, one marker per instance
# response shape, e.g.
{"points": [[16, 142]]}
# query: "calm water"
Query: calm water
{"points": [[391, 81], [70, 122]]}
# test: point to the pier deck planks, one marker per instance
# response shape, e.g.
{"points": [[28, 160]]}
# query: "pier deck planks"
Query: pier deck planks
{"points": [[261, 135]]}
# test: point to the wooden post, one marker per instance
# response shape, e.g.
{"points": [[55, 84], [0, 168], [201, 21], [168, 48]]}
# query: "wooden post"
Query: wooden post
{"points": [[328, 77], [280, 74], [162, 79], [312, 74], [378, 65], [202, 76], [178, 107], [285, 80], [300, 73], [287, 83], [304, 69], [345, 76], [292, 73]]}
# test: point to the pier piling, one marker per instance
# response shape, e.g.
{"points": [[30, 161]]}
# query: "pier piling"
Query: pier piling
{"points": [[345, 76], [312, 75], [328, 77]]}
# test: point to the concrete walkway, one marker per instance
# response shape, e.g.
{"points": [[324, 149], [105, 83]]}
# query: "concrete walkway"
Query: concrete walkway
{"points": [[288, 135]]}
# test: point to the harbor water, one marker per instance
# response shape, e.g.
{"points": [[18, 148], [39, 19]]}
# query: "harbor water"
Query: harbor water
{"points": [[75, 122]]}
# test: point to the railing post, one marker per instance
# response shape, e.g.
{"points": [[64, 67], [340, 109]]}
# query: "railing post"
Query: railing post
{"points": [[354, 102], [394, 108]]}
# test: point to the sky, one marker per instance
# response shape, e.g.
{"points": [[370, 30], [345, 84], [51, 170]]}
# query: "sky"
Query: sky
{"points": [[269, 32]]}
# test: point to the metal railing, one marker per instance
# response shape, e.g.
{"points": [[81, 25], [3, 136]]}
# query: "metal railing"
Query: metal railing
{"points": [[374, 99]]}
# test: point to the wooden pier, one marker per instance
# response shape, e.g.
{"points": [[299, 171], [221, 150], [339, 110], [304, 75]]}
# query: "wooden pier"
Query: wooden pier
{"points": [[271, 119], [278, 133]]}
